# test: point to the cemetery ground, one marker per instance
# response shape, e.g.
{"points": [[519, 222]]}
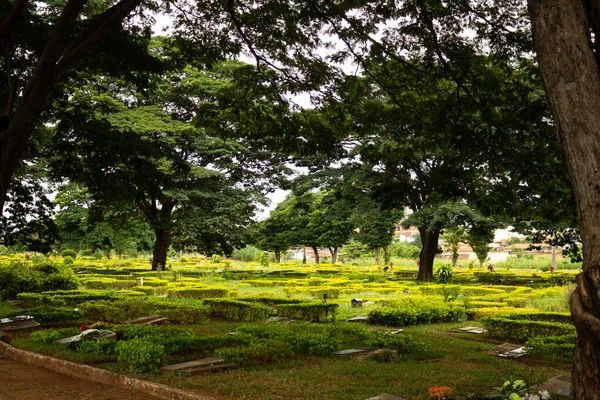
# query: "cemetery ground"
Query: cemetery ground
{"points": [[218, 310]]}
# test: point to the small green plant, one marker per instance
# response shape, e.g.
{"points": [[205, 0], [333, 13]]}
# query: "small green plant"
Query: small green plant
{"points": [[101, 347], [450, 292], [68, 260], [68, 253], [264, 259], [444, 274], [215, 258], [141, 355]]}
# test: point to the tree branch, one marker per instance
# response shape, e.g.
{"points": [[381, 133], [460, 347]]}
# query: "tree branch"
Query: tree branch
{"points": [[6, 25]]}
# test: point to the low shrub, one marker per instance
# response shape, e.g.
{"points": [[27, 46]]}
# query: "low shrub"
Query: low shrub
{"points": [[18, 277], [69, 253], [52, 335], [141, 355], [197, 292], [47, 314], [522, 329], [314, 312], [259, 351], [559, 348], [414, 311], [237, 310], [101, 347]]}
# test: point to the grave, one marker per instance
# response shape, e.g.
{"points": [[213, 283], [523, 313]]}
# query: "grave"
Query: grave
{"points": [[353, 352], [198, 366], [280, 320], [560, 385], [18, 322], [470, 329], [516, 353], [148, 320], [387, 396], [360, 318], [356, 303], [503, 348], [89, 334]]}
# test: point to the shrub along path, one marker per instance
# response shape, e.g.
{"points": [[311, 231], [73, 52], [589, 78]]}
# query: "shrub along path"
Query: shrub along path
{"points": [[20, 381]]}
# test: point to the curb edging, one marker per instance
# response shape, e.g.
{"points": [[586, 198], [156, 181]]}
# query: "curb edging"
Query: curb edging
{"points": [[82, 371]]}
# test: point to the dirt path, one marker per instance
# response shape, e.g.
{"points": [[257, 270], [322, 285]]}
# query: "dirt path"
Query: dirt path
{"points": [[20, 381]]}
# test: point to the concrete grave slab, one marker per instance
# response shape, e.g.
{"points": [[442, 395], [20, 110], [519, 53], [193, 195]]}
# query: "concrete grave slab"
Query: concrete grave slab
{"points": [[360, 318], [18, 322], [198, 366], [516, 353], [558, 385], [503, 348], [387, 396], [89, 334], [143, 320], [470, 329], [353, 352]]}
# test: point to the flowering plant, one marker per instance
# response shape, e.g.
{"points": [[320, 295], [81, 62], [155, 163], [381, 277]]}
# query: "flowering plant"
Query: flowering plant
{"points": [[518, 390], [440, 392]]}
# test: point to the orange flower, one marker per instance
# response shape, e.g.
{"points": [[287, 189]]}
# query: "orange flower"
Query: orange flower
{"points": [[440, 392]]}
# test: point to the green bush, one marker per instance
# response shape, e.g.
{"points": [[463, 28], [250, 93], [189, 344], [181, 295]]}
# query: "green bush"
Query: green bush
{"points": [[68, 260], [314, 312], [47, 314], [554, 347], [405, 250], [444, 274], [522, 329], [16, 278], [197, 292], [63, 280], [141, 355], [52, 335], [416, 312], [237, 310], [69, 253], [86, 253], [259, 351], [101, 347], [247, 254]]}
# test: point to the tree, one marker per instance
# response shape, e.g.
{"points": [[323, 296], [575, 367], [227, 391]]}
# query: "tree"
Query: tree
{"points": [[454, 236], [146, 151], [566, 41]]}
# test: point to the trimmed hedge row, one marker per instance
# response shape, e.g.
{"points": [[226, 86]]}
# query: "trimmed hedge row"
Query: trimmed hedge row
{"points": [[416, 312], [314, 312], [523, 329], [197, 292], [237, 310], [555, 347]]}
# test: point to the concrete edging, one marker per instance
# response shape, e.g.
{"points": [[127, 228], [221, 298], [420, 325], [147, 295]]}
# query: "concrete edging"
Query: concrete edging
{"points": [[86, 372]]}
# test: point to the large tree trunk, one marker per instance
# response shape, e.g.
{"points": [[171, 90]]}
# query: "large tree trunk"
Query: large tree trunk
{"points": [[161, 248], [303, 255], [571, 78], [278, 257], [377, 251], [334, 253], [316, 251], [428, 250]]}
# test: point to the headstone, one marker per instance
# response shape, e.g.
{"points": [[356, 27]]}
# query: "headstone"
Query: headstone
{"points": [[360, 318], [356, 303], [560, 385], [280, 320], [353, 352], [18, 322], [147, 319], [470, 329], [387, 396], [89, 334], [506, 347]]}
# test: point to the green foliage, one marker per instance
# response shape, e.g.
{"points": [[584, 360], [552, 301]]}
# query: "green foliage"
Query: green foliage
{"points": [[141, 355], [69, 253], [415, 312], [17, 277], [101, 347], [444, 274], [68, 260], [247, 254], [405, 250], [197, 292], [52, 335], [314, 312], [86, 253], [264, 259], [259, 351], [523, 329], [554, 347], [47, 314], [237, 310]]}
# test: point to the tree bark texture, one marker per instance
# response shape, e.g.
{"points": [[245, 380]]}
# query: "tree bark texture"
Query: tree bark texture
{"points": [[334, 253], [161, 248], [571, 77], [278, 257], [428, 250], [377, 251], [316, 251]]}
